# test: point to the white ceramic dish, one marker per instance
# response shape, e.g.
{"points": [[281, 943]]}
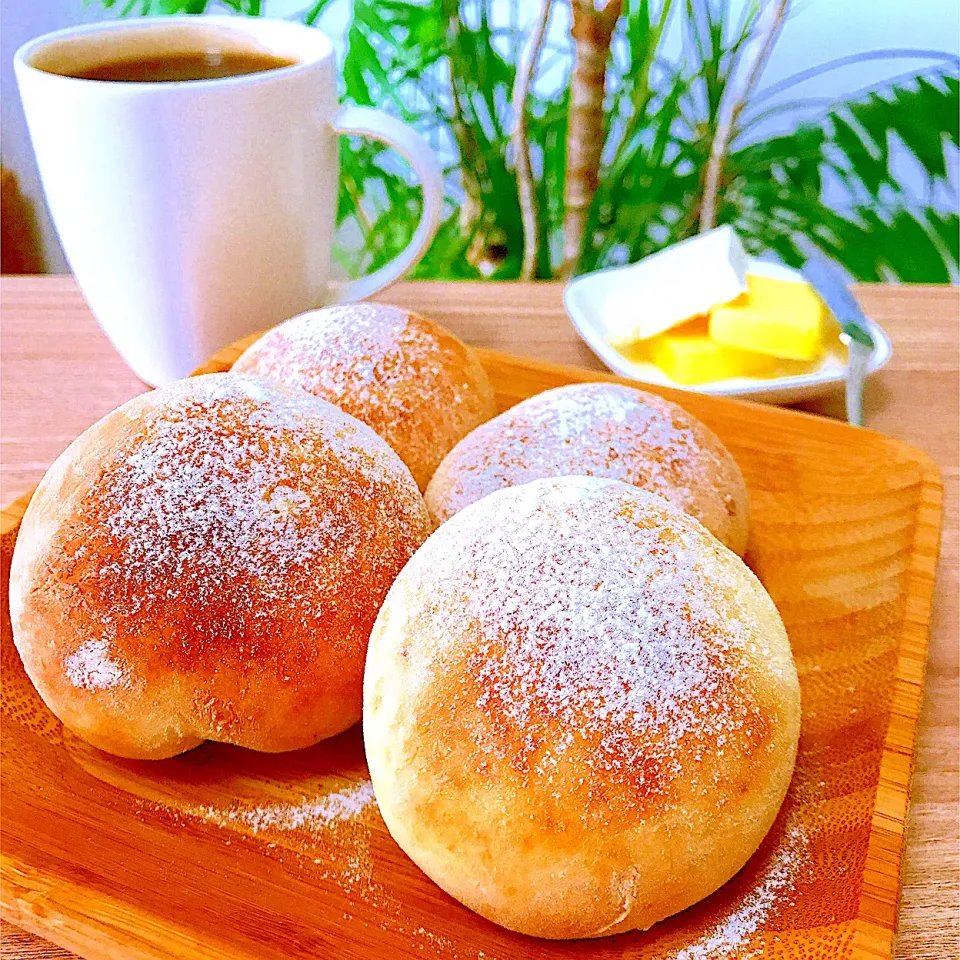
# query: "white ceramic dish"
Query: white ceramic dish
{"points": [[585, 298]]}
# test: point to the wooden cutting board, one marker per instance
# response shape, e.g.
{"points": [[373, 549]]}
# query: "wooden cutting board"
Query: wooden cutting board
{"points": [[223, 853]]}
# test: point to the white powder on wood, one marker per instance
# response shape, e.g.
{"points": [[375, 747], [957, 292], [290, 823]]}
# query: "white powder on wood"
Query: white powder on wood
{"points": [[774, 887], [312, 815]]}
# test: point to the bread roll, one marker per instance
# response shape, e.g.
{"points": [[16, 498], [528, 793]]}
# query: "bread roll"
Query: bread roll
{"points": [[603, 430], [581, 711], [410, 380], [206, 563]]}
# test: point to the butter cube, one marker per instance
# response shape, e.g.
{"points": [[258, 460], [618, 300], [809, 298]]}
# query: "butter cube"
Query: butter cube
{"points": [[689, 356], [780, 318], [671, 286]]}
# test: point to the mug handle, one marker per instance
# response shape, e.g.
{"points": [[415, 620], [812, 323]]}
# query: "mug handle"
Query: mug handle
{"points": [[368, 122]]}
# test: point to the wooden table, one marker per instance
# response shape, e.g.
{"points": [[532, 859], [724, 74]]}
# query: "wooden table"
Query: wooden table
{"points": [[59, 375]]}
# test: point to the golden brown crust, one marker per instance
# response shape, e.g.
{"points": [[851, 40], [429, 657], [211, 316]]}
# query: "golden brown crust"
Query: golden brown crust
{"points": [[602, 430], [206, 563], [581, 711], [407, 377]]}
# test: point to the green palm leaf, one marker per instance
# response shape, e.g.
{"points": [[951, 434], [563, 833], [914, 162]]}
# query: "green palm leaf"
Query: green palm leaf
{"points": [[887, 231]]}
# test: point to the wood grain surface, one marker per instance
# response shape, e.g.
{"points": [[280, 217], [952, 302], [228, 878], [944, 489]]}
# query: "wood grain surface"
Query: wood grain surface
{"points": [[141, 860], [59, 375]]}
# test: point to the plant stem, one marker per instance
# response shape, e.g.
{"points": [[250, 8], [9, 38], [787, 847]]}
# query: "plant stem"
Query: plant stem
{"points": [[526, 68], [356, 195], [592, 32], [472, 207], [641, 94], [740, 86]]}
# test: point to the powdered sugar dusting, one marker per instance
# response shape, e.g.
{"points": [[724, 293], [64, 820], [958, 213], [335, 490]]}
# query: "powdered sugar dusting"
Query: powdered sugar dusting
{"points": [[351, 350], [91, 667], [310, 815], [599, 625], [332, 833], [593, 429], [387, 367], [213, 490], [232, 484], [774, 887], [331, 830]]}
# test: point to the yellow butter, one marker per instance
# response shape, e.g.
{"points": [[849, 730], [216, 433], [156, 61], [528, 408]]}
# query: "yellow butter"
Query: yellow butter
{"points": [[779, 318], [669, 287], [689, 356]]}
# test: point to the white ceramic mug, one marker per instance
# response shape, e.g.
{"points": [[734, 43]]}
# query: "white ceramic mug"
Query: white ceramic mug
{"points": [[195, 212]]}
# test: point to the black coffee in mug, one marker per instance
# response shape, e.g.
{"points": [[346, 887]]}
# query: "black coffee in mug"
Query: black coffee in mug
{"points": [[180, 66]]}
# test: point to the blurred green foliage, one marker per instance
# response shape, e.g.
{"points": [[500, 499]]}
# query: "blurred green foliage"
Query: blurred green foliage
{"points": [[448, 68]]}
